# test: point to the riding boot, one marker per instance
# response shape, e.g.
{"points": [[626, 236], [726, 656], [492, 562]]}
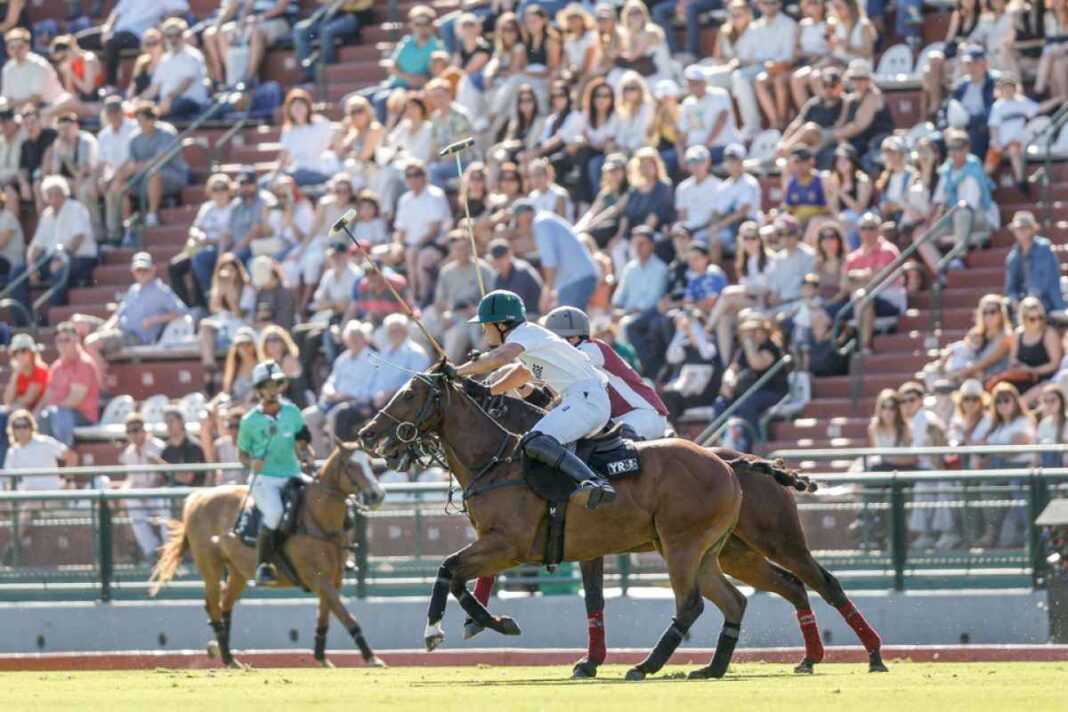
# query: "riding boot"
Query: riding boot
{"points": [[547, 449], [265, 572]]}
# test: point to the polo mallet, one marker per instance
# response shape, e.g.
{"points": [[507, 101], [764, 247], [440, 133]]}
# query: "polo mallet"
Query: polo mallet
{"points": [[456, 149], [342, 225]]}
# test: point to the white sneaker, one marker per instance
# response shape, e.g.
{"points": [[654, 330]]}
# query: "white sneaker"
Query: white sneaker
{"points": [[948, 540], [924, 541], [152, 220]]}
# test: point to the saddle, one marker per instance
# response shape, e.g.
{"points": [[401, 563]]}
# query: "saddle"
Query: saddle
{"points": [[608, 453], [250, 521]]}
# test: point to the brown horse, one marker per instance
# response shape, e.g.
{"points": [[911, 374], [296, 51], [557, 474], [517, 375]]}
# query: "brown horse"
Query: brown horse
{"points": [[317, 550], [684, 503], [767, 550]]}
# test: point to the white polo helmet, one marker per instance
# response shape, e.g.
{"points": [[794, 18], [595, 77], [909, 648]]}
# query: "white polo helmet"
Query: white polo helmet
{"points": [[267, 371]]}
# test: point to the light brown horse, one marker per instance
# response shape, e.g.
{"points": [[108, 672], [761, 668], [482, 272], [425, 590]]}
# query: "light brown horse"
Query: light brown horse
{"points": [[317, 550], [684, 503], [767, 550]]}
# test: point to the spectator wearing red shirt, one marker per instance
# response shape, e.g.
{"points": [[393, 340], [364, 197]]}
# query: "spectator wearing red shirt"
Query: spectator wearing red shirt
{"points": [[865, 263], [72, 397], [26, 385]]}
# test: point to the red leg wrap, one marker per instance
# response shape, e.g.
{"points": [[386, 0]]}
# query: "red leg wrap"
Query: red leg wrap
{"points": [[811, 633], [860, 626], [483, 589], [595, 631]]}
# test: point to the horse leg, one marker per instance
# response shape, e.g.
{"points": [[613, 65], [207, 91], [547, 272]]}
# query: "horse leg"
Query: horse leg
{"points": [[322, 624], [790, 552], [483, 590], [326, 588], [748, 565], [487, 555], [211, 570], [683, 564], [731, 602], [593, 593], [231, 591]]}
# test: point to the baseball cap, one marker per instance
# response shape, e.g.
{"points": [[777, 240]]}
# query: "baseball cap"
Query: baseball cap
{"points": [[113, 103], [858, 69], [788, 224], [337, 246], [665, 88], [142, 260], [499, 248], [1023, 218], [694, 73], [893, 143], [735, 150], [803, 153], [974, 52], [869, 219], [698, 246], [22, 342], [697, 154], [246, 174], [522, 205]]}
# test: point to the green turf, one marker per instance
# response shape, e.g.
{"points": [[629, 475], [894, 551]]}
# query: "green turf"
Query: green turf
{"points": [[1035, 687]]}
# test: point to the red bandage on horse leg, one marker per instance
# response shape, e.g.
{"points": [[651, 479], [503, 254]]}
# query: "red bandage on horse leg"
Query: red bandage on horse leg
{"points": [[811, 633], [595, 632], [856, 621], [483, 589]]}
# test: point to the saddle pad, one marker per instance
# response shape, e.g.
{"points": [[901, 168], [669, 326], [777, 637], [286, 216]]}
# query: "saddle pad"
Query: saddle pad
{"points": [[248, 525], [613, 461]]}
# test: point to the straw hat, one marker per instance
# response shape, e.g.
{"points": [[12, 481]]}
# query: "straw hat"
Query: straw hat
{"points": [[572, 9], [754, 320]]}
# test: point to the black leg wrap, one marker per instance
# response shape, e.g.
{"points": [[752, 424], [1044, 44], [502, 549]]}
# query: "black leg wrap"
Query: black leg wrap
{"points": [[593, 585], [361, 643], [728, 638], [475, 610], [222, 637], [667, 644], [320, 644], [227, 619], [440, 595]]}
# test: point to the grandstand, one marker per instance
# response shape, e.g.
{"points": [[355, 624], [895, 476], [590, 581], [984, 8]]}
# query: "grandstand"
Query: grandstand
{"points": [[825, 412]]}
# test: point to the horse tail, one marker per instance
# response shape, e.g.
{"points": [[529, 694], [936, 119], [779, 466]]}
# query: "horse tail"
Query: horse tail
{"points": [[785, 476], [170, 557]]}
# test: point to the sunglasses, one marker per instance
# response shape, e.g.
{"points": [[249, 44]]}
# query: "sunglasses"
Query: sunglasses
{"points": [[526, 100], [1001, 400], [134, 430], [829, 233], [509, 28], [910, 399], [750, 238], [632, 88], [510, 177], [16, 45], [603, 95], [1035, 318], [889, 405], [1051, 399], [413, 174], [146, 45], [969, 399], [991, 312], [869, 228], [20, 426]]}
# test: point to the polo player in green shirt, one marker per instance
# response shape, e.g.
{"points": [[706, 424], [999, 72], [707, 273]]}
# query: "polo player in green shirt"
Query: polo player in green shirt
{"points": [[273, 442]]}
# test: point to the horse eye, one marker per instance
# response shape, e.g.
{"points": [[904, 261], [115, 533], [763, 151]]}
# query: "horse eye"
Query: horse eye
{"points": [[409, 395]]}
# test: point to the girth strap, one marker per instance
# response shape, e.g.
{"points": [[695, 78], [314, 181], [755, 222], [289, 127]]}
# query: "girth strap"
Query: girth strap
{"points": [[554, 534]]}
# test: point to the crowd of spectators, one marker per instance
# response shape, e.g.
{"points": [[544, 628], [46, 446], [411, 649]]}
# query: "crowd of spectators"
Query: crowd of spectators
{"points": [[610, 171]]}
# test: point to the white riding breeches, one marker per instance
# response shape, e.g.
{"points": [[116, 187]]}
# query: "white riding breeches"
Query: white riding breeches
{"points": [[267, 494], [646, 422], [583, 410]]}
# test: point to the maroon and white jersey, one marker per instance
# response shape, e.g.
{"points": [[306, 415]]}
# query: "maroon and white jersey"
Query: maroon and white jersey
{"points": [[626, 389]]}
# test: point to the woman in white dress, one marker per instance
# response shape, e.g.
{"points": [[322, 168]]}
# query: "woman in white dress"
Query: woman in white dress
{"points": [[306, 141], [1013, 424], [636, 110]]}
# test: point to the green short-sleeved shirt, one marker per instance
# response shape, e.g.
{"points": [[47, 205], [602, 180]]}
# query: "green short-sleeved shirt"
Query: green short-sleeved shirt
{"points": [[272, 439]]}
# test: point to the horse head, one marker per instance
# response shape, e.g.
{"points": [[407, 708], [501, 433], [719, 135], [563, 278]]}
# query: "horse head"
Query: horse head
{"points": [[414, 411], [343, 472]]}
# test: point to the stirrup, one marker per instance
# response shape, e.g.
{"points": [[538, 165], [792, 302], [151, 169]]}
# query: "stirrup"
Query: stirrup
{"points": [[266, 575], [601, 492]]}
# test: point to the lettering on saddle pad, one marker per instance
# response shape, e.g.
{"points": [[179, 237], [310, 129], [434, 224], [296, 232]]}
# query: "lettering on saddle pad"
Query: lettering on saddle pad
{"points": [[611, 457]]}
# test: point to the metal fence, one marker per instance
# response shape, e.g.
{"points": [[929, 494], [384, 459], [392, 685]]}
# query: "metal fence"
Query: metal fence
{"points": [[78, 544]]}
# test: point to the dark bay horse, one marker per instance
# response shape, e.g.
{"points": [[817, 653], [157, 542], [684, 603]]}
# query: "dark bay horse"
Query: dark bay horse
{"points": [[767, 550], [317, 550], [684, 503]]}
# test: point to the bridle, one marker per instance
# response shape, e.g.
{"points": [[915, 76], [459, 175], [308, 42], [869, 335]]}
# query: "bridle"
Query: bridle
{"points": [[424, 448]]}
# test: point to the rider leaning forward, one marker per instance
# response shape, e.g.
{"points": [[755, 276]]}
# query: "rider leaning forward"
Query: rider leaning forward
{"points": [[273, 442], [524, 351]]}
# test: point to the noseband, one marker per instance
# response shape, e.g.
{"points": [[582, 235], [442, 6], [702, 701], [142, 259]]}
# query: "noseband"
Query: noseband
{"points": [[421, 446]]}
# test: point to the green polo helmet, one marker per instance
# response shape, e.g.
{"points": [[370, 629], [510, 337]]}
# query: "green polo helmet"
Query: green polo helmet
{"points": [[500, 307]]}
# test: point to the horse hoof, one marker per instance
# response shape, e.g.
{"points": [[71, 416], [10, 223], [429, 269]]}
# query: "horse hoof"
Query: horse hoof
{"points": [[584, 669], [707, 673], [214, 650], [325, 663], [508, 626], [875, 662], [805, 667], [433, 641], [634, 675], [374, 661], [471, 629]]}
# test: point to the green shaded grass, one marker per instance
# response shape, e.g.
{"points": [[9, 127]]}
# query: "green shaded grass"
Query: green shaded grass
{"points": [[1035, 687]]}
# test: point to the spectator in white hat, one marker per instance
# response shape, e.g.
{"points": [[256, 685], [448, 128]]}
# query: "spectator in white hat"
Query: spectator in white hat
{"points": [[737, 199], [695, 198]]}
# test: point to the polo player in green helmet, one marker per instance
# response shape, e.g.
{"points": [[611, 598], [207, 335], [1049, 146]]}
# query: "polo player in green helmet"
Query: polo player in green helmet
{"points": [[524, 351], [273, 442]]}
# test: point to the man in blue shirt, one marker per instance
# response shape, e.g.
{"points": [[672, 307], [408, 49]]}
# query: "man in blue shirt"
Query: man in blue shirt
{"points": [[568, 270], [642, 285], [706, 281], [348, 391], [149, 304], [1031, 268]]}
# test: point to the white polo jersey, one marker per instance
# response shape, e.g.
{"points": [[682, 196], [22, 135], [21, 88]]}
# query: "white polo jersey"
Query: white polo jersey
{"points": [[552, 360]]}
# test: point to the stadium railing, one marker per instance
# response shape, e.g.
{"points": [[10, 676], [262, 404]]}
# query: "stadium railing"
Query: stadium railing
{"points": [[30, 314], [858, 525], [1044, 175], [858, 304], [714, 429]]}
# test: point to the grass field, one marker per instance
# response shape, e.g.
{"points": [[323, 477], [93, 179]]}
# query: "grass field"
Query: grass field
{"points": [[1035, 687]]}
